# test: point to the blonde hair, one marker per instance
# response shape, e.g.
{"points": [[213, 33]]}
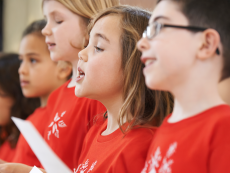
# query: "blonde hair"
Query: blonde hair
{"points": [[145, 106], [87, 8]]}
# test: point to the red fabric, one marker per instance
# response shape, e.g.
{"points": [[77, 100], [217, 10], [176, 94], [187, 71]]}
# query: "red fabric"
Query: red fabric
{"points": [[6, 152], [114, 153], [199, 144], [69, 124], [24, 154]]}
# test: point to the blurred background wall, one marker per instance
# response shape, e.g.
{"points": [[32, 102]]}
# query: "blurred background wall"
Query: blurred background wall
{"points": [[17, 14]]}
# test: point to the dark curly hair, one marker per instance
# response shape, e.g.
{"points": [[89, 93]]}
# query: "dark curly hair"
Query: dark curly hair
{"points": [[10, 85]]}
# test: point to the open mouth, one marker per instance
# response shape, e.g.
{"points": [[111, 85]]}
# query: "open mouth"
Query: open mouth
{"points": [[51, 45], [81, 74], [149, 62]]}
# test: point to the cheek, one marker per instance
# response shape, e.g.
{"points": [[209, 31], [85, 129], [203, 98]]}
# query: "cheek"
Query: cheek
{"points": [[105, 75], [172, 58]]}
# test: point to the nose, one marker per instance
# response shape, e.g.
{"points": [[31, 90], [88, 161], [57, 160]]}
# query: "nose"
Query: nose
{"points": [[143, 44], [23, 70], [82, 55], [46, 31]]}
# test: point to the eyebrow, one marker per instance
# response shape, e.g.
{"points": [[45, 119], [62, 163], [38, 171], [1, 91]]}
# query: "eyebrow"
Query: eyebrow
{"points": [[29, 54], [53, 13], [102, 36], [159, 17]]}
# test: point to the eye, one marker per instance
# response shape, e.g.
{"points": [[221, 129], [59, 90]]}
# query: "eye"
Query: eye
{"points": [[33, 61], [59, 22], [97, 49]]}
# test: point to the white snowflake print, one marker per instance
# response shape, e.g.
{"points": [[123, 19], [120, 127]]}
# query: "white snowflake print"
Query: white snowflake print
{"points": [[167, 162], [55, 124], [153, 164], [155, 160], [82, 168], [92, 167]]}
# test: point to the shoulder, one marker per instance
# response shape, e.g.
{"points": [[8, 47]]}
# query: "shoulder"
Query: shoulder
{"points": [[141, 136]]}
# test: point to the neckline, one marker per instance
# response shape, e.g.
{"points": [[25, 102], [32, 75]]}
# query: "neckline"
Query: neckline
{"points": [[109, 137], [195, 118]]}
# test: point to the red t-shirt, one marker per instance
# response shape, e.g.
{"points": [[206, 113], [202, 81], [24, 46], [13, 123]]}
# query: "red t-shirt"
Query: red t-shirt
{"points": [[24, 153], [199, 144], [114, 153], [69, 124], [6, 152]]}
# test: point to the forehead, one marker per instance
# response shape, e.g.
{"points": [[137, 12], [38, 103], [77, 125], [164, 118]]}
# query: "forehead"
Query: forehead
{"points": [[53, 6], [108, 25], [170, 10], [33, 43]]}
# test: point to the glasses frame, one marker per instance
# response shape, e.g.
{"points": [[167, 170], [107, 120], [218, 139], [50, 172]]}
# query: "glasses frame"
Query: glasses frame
{"points": [[159, 26]]}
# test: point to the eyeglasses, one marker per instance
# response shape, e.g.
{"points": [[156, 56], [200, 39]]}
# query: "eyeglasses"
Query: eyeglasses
{"points": [[153, 29]]}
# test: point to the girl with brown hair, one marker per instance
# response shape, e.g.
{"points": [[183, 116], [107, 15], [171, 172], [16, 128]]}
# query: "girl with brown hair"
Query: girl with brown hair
{"points": [[111, 64]]}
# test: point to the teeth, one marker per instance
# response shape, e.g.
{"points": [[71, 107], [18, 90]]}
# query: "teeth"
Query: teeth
{"points": [[149, 61]]}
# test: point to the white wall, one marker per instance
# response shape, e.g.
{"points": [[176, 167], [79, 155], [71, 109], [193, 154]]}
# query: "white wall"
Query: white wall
{"points": [[17, 15]]}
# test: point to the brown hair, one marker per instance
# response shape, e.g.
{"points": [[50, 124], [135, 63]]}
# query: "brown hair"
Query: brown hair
{"points": [[10, 85], [146, 106]]}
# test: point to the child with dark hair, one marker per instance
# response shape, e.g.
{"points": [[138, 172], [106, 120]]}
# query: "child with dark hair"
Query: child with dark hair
{"points": [[186, 51], [39, 77], [12, 103]]}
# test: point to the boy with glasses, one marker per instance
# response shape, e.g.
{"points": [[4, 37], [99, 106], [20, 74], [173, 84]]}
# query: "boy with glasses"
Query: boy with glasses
{"points": [[186, 51]]}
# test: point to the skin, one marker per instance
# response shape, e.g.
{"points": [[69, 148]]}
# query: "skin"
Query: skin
{"points": [[101, 63], [37, 66], [175, 60], [224, 90], [6, 103], [67, 31]]}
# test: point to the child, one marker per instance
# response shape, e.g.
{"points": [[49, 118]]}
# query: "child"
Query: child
{"points": [[39, 76], [186, 51], [111, 63], [65, 33], [12, 103]]}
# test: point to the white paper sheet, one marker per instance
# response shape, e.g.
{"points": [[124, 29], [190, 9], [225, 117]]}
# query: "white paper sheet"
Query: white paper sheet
{"points": [[50, 161], [35, 170]]}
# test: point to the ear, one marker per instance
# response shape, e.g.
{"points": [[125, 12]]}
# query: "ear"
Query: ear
{"points": [[209, 44], [64, 70]]}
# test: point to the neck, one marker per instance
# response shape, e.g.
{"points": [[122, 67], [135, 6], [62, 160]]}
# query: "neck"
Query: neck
{"points": [[192, 98], [74, 73], [44, 100], [113, 106]]}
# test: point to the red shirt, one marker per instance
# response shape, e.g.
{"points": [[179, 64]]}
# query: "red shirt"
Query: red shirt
{"points": [[69, 124], [114, 153], [199, 144], [6, 152], [24, 154]]}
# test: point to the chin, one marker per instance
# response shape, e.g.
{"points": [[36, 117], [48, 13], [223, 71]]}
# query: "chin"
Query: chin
{"points": [[78, 92], [55, 57]]}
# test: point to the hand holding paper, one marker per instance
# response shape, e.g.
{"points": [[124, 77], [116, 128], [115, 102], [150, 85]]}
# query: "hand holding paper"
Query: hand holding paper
{"points": [[50, 161]]}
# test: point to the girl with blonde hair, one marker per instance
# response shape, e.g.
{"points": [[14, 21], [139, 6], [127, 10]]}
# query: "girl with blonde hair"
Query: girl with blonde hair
{"points": [[69, 116]]}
